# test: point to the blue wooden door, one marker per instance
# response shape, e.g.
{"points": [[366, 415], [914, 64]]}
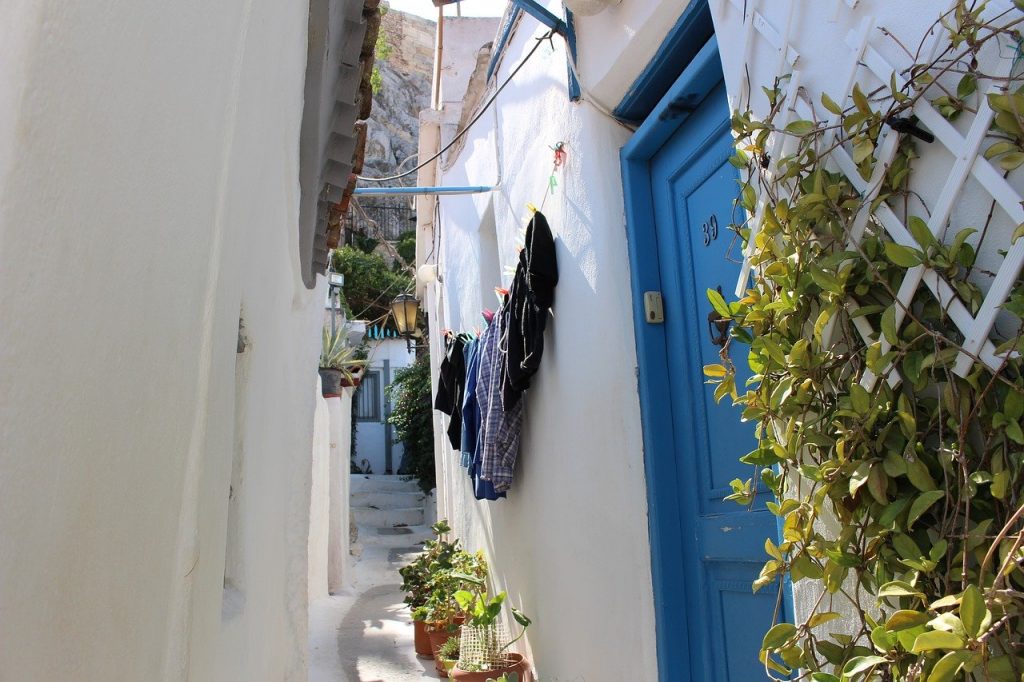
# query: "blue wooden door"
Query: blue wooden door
{"points": [[693, 188]]}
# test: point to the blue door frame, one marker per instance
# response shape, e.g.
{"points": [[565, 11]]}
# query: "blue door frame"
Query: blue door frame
{"points": [[667, 564], [652, 269]]}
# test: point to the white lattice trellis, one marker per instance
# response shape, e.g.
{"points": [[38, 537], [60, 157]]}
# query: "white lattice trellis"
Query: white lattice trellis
{"points": [[966, 163]]}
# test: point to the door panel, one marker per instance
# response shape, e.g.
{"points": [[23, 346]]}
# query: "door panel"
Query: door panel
{"points": [[693, 187]]}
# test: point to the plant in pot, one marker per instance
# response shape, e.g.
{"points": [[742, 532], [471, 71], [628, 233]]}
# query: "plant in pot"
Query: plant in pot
{"points": [[442, 614], [448, 653], [484, 650], [416, 582], [429, 587], [340, 364]]}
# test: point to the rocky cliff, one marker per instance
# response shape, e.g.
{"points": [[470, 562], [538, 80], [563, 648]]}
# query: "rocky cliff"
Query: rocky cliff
{"points": [[405, 76]]}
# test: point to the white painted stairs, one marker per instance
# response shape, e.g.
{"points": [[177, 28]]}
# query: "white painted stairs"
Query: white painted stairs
{"points": [[388, 510]]}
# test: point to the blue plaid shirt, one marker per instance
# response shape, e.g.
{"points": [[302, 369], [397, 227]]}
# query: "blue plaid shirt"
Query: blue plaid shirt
{"points": [[499, 429]]}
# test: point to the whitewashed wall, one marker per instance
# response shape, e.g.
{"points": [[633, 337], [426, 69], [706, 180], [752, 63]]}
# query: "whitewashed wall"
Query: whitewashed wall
{"points": [[148, 200], [320, 501], [570, 543], [338, 557]]}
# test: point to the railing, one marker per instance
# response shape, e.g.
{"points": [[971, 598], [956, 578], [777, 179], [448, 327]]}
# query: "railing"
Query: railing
{"points": [[379, 221]]}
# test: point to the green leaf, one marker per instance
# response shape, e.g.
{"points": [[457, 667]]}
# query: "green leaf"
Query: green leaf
{"points": [[748, 198], [860, 664], [921, 505], [922, 235], [898, 588], [999, 482], [859, 477], [889, 325], [919, 475], [861, 100], [967, 86], [883, 639], [821, 618], [1012, 161], [902, 255], [718, 303], [521, 617], [860, 398], [906, 618], [825, 280], [893, 509], [862, 149], [800, 127], [973, 611], [937, 639], [830, 104], [825, 677], [1014, 433], [714, 370], [777, 636], [1017, 234], [948, 666]]}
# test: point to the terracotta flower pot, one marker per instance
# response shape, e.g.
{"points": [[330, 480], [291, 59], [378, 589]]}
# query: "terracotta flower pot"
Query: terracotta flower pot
{"points": [[330, 382], [421, 640], [438, 636], [516, 664]]}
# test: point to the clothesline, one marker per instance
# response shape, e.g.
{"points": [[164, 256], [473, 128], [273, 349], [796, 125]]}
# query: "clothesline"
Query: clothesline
{"points": [[482, 379]]}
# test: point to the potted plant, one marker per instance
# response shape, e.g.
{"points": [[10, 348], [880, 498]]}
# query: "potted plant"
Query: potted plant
{"points": [[484, 652], [448, 654], [442, 613], [416, 584], [340, 363], [429, 588]]}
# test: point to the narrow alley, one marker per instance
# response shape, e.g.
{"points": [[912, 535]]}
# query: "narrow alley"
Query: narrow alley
{"points": [[364, 633]]}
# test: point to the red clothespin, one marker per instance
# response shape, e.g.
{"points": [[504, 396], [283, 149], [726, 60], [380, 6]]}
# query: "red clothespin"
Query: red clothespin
{"points": [[560, 154]]}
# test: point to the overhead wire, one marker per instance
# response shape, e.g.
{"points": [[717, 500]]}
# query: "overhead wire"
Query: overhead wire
{"points": [[547, 36]]}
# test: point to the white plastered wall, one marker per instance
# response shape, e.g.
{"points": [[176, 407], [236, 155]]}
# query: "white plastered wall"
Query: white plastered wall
{"points": [[570, 544], [148, 199]]}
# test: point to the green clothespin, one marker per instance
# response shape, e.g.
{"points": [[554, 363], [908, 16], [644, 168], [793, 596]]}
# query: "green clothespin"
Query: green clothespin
{"points": [[552, 183]]}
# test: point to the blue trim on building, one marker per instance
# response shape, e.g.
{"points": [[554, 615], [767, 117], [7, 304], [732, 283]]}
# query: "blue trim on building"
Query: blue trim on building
{"points": [[667, 565], [386, 191], [566, 29], [504, 35], [686, 38], [538, 12], [575, 92]]}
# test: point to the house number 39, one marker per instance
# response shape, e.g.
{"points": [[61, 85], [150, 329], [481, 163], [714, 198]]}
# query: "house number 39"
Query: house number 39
{"points": [[710, 230]]}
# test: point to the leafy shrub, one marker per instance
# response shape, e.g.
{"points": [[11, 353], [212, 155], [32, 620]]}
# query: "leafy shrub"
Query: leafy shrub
{"points": [[412, 418]]}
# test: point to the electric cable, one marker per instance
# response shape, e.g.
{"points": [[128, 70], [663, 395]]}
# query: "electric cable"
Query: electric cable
{"points": [[547, 36]]}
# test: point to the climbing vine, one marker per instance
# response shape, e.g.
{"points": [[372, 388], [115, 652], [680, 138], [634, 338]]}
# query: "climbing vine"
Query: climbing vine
{"points": [[898, 482]]}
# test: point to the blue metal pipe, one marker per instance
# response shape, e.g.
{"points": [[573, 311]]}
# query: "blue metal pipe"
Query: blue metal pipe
{"points": [[384, 191]]}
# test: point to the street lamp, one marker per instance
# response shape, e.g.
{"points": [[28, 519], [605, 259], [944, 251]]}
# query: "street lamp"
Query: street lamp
{"points": [[405, 308], [335, 281]]}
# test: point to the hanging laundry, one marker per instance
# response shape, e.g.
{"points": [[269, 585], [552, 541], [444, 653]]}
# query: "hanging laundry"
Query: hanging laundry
{"points": [[451, 382], [530, 299], [470, 408], [480, 403]]}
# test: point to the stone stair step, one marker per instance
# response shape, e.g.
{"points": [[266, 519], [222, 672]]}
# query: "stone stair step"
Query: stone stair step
{"points": [[388, 518], [388, 500], [383, 483], [405, 536]]}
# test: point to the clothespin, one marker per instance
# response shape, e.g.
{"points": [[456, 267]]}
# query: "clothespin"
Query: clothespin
{"points": [[488, 315], [552, 183], [560, 154], [530, 205], [501, 291]]}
